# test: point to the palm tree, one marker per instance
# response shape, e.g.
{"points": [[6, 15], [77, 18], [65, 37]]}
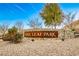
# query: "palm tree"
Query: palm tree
{"points": [[52, 15]]}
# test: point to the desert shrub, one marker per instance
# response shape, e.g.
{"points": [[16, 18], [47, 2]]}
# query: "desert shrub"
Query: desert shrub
{"points": [[73, 29], [17, 38], [13, 35], [32, 40], [12, 31], [6, 37], [62, 39]]}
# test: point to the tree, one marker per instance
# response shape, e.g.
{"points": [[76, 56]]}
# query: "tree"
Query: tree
{"points": [[52, 15], [69, 19], [35, 23], [68, 24], [20, 26], [4, 28]]}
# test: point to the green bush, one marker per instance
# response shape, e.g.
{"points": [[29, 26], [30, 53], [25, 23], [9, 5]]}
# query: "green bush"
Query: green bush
{"points": [[6, 37], [13, 35], [73, 29], [17, 38], [12, 31]]}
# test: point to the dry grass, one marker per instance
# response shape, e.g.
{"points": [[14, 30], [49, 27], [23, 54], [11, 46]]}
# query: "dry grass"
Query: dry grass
{"points": [[46, 47]]}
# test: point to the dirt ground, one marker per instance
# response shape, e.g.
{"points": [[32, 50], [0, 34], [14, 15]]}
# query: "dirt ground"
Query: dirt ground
{"points": [[40, 47]]}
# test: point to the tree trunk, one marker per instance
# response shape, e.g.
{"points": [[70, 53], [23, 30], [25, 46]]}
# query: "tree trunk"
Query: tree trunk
{"points": [[55, 26]]}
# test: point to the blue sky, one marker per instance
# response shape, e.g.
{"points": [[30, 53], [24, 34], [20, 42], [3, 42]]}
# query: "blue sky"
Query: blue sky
{"points": [[10, 13]]}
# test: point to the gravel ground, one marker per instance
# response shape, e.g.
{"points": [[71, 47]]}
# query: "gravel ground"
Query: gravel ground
{"points": [[39, 47]]}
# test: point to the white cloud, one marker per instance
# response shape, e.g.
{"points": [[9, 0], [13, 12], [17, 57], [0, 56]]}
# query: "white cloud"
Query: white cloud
{"points": [[20, 8]]}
